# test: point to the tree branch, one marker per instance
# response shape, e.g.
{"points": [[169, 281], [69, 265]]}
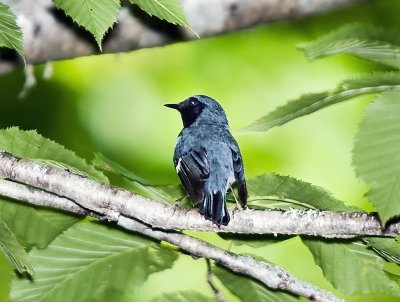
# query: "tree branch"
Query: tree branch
{"points": [[111, 202], [48, 35], [272, 276]]}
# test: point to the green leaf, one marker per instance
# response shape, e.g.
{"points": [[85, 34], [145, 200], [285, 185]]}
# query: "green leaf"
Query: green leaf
{"points": [[250, 290], [89, 259], [352, 267], [103, 163], [393, 271], [309, 103], [253, 240], [13, 250], [31, 145], [169, 10], [387, 248], [272, 191], [183, 296], [10, 33], [96, 16], [376, 154], [33, 225], [365, 41], [277, 191], [166, 194]]}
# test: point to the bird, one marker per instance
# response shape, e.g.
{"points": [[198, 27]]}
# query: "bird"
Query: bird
{"points": [[207, 158]]}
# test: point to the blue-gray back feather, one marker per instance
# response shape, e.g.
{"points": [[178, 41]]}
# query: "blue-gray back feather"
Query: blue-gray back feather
{"points": [[208, 160]]}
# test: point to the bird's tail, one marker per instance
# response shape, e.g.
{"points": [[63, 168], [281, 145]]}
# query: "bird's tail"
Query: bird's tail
{"points": [[214, 208]]}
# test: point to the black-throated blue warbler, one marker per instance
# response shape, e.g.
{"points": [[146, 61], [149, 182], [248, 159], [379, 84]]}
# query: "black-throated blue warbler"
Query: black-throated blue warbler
{"points": [[207, 157]]}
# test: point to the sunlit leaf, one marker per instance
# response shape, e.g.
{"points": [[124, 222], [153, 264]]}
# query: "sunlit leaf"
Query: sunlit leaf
{"points": [[277, 191], [32, 225], [13, 250], [272, 191], [165, 194], [250, 290], [31, 145], [388, 248], [169, 10], [10, 33], [352, 267], [89, 259], [96, 16], [103, 163], [393, 271], [365, 41], [306, 104], [253, 240], [376, 155], [374, 298], [183, 296]]}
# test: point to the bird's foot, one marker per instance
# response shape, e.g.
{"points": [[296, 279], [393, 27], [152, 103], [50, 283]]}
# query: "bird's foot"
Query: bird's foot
{"points": [[239, 207], [178, 202]]}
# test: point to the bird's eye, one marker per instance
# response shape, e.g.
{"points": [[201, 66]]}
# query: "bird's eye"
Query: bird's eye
{"points": [[193, 102]]}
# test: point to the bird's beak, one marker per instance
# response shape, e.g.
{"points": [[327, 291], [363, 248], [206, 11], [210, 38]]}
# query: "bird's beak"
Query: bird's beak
{"points": [[173, 106]]}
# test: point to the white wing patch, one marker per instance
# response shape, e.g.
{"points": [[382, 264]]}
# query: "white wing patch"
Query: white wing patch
{"points": [[231, 179], [178, 166]]}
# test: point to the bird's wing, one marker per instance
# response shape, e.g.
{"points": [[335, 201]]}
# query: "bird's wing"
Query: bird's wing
{"points": [[193, 169], [239, 173]]}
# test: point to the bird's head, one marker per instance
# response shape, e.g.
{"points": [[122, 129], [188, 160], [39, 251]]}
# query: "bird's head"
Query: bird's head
{"points": [[200, 109]]}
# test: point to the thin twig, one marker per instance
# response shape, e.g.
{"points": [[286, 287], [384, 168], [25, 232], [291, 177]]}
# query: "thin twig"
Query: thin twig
{"points": [[217, 293]]}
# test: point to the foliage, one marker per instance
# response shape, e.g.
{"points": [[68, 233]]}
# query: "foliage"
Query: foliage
{"points": [[352, 268], [277, 191], [13, 250], [250, 290], [377, 154], [97, 17], [78, 260], [365, 41], [10, 33], [164, 194], [39, 226], [34, 226], [30, 144], [309, 103], [169, 10], [388, 248], [183, 296], [90, 251], [375, 149], [85, 250]]}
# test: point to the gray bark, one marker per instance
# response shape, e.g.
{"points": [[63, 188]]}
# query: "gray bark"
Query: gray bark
{"points": [[112, 202], [270, 275], [47, 37]]}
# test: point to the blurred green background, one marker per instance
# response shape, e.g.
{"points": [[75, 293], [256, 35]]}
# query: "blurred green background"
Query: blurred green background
{"points": [[113, 104]]}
